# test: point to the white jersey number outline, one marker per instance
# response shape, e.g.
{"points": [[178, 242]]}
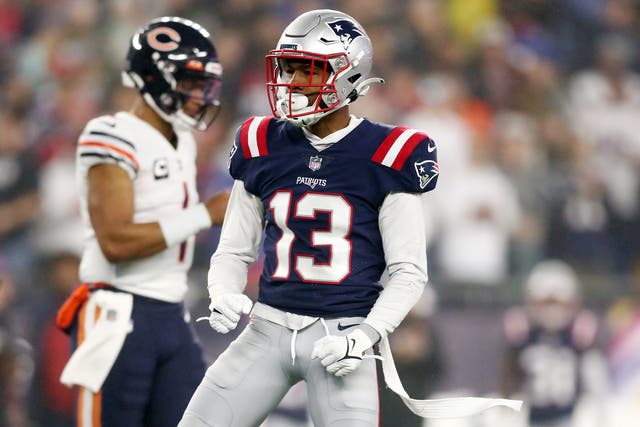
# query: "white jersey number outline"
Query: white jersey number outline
{"points": [[336, 236]]}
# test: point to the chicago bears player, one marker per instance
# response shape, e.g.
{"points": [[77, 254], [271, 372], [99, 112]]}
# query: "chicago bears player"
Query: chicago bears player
{"points": [[552, 359], [337, 199], [136, 175]]}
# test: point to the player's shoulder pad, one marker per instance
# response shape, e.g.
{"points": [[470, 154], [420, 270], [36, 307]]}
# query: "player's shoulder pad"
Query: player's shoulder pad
{"points": [[251, 137], [250, 142], [107, 130], [411, 152], [584, 329], [516, 325], [107, 138]]}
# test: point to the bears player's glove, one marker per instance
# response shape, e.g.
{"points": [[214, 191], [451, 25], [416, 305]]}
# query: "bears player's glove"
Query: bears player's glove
{"points": [[342, 355], [226, 310]]}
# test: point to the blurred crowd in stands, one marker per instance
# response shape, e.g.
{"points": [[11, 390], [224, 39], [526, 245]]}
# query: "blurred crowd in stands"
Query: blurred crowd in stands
{"points": [[534, 105]]}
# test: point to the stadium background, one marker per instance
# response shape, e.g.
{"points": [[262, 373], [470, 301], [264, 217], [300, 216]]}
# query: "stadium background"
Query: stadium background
{"points": [[534, 104]]}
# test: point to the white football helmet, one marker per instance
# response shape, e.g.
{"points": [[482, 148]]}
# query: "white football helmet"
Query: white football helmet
{"points": [[552, 294], [328, 39]]}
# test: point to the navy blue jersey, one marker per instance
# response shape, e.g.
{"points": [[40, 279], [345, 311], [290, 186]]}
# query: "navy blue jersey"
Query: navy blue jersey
{"points": [[549, 365], [322, 244]]}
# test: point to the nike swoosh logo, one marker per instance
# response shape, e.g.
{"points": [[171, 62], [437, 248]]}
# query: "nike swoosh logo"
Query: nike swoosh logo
{"points": [[342, 327], [431, 147]]}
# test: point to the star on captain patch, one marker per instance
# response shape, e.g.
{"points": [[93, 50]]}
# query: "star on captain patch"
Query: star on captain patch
{"points": [[315, 162]]}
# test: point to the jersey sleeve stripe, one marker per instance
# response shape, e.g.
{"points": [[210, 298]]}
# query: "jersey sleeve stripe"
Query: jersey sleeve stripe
{"points": [[253, 137], [386, 144], [244, 138], [113, 148], [123, 162], [262, 135], [112, 137], [396, 148], [407, 149]]}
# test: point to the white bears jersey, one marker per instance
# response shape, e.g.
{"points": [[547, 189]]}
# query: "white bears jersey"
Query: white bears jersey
{"points": [[163, 183]]}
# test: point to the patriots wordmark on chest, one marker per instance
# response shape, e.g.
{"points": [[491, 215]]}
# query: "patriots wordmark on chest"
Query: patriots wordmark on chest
{"points": [[311, 182]]}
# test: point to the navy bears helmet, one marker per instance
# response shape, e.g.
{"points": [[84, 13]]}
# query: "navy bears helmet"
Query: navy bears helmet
{"points": [[171, 60]]}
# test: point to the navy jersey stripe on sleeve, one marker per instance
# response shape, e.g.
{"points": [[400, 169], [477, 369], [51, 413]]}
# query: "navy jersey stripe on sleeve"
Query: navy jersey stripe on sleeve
{"points": [[117, 138]]}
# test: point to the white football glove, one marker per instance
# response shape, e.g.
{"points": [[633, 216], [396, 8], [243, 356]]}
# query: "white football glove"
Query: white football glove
{"points": [[226, 311], [341, 355]]}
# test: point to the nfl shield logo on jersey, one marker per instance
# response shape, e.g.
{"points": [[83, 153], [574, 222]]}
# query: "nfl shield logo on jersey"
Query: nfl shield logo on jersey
{"points": [[315, 162]]}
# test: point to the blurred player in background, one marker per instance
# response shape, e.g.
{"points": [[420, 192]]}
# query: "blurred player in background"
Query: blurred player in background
{"points": [[137, 360], [337, 199], [16, 361], [552, 361], [623, 353]]}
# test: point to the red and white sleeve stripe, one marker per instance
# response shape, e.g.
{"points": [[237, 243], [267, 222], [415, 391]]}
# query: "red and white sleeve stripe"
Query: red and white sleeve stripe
{"points": [[253, 137], [397, 146]]}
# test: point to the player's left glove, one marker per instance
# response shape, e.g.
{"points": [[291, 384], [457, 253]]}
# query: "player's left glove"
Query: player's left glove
{"points": [[341, 355]]}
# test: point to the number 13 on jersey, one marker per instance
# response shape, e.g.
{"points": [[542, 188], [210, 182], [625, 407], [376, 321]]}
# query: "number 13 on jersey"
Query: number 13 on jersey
{"points": [[334, 235]]}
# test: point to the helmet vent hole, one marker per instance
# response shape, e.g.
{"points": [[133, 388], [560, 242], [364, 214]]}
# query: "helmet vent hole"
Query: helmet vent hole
{"points": [[353, 78]]}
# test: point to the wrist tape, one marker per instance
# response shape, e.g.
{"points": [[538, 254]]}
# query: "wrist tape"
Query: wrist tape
{"points": [[179, 227]]}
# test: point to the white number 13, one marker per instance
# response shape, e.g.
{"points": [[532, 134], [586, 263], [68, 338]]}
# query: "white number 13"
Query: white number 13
{"points": [[336, 236]]}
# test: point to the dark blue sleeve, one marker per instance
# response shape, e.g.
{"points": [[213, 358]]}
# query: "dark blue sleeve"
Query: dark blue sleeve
{"points": [[237, 161], [420, 171]]}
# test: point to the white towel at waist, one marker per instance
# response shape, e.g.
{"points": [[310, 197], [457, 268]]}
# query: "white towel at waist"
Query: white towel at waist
{"points": [[91, 362]]}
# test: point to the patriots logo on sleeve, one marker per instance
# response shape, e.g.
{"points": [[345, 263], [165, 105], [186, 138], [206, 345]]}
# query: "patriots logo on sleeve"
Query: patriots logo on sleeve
{"points": [[345, 30], [426, 171]]}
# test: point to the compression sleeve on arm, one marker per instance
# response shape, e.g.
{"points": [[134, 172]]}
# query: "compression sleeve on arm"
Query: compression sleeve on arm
{"points": [[403, 233], [239, 242]]}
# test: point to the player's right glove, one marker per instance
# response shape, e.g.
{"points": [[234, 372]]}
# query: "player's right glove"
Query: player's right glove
{"points": [[341, 355], [226, 310]]}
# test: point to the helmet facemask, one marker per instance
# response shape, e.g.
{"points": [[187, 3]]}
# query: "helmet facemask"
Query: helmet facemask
{"points": [[198, 101], [289, 96]]}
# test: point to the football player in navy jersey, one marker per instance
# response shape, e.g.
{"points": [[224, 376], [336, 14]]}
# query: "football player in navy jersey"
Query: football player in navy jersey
{"points": [[337, 200], [136, 176], [552, 359]]}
